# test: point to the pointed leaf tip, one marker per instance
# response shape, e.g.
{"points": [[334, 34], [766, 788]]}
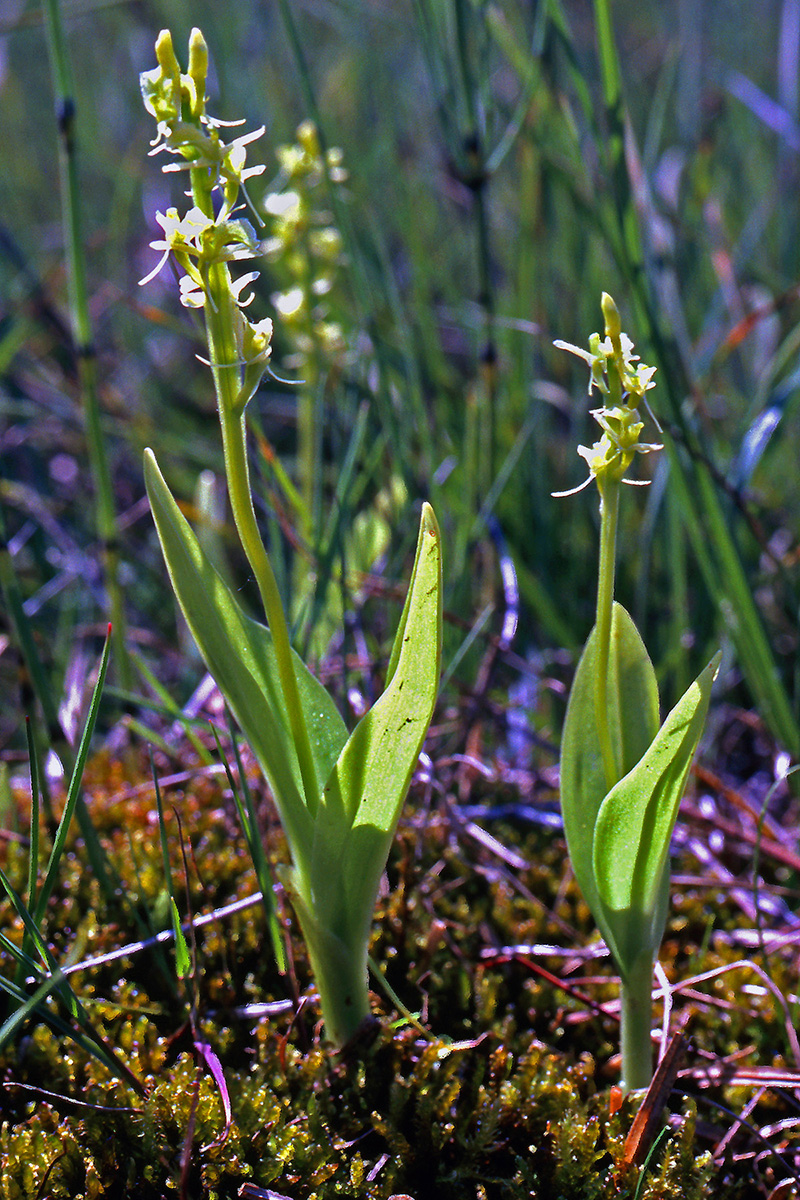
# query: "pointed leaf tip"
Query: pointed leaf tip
{"points": [[428, 520], [366, 789]]}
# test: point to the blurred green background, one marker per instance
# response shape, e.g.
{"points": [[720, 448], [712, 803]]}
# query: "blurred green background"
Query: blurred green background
{"points": [[496, 185]]}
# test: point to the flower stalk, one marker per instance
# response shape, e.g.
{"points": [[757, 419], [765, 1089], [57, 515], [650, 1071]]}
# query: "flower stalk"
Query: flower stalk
{"points": [[609, 517], [306, 249]]}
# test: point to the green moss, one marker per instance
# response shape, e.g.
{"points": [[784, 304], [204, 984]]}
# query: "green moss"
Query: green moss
{"points": [[517, 1107]]}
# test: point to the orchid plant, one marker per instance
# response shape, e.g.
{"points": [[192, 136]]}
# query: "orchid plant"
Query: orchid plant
{"points": [[623, 774], [339, 796], [307, 254]]}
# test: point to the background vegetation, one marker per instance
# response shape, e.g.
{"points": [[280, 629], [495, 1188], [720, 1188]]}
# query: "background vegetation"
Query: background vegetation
{"points": [[498, 181], [484, 214]]}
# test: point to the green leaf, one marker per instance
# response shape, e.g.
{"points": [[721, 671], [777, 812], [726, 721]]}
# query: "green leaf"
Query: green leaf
{"points": [[633, 723], [361, 801], [183, 961], [432, 567], [637, 817], [239, 654]]}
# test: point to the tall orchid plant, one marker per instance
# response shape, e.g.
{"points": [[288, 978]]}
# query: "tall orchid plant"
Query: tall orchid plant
{"points": [[623, 775], [339, 796]]}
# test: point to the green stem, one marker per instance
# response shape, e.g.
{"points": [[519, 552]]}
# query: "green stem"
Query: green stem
{"points": [[609, 512], [636, 1017], [339, 966], [220, 312], [226, 368], [105, 512], [489, 348], [340, 973], [476, 176]]}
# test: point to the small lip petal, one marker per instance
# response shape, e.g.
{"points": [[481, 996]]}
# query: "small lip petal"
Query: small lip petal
{"points": [[586, 355], [216, 123], [573, 491], [192, 293], [158, 265], [238, 286]]}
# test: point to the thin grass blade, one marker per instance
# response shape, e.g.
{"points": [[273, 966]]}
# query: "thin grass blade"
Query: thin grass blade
{"points": [[247, 816], [73, 793]]}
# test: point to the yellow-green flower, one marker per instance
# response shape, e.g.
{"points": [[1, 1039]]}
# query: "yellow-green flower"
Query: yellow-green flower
{"points": [[613, 454], [617, 373], [602, 357]]}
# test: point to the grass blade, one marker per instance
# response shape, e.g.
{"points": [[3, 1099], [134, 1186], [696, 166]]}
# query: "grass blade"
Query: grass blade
{"points": [[73, 793], [249, 823]]}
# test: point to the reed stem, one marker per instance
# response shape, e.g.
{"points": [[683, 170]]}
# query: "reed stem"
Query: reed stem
{"points": [[83, 343]]}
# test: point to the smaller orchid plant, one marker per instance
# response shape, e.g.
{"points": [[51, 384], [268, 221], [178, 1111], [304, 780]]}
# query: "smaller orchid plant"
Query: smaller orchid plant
{"points": [[305, 250], [622, 772], [339, 796], [306, 245]]}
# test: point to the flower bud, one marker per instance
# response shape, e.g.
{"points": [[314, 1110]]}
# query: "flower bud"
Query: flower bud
{"points": [[611, 316], [308, 139], [198, 70], [165, 54]]}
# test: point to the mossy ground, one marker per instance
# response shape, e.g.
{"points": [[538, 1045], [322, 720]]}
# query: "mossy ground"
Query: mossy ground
{"points": [[457, 282], [511, 1095]]}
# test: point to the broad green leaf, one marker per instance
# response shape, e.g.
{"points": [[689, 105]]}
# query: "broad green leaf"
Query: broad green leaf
{"points": [[633, 723], [637, 817], [361, 801], [239, 654]]}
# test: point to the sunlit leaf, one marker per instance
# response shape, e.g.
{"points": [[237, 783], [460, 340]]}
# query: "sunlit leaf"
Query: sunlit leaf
{"points": [[632, 696], [366, 789], [361, 802], [183, 961], [637, 817], [239, 654]]}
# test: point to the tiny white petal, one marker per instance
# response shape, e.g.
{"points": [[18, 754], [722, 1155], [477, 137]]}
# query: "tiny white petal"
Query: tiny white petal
{"points": [[573, 491], [156, 268]]}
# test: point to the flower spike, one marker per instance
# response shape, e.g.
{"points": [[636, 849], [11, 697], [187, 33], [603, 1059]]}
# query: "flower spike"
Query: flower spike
{"points": [[201, 244], [616, 372]]}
